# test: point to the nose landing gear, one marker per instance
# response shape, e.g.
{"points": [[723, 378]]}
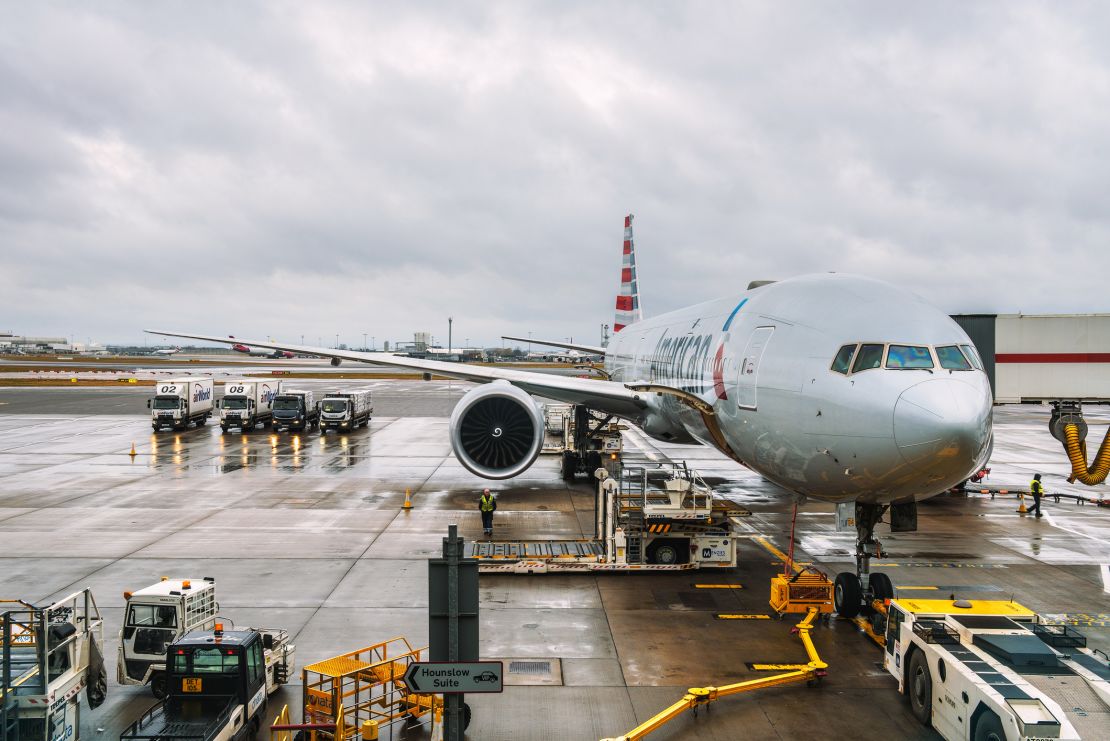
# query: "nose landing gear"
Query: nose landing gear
{"points": [[853, 593]]}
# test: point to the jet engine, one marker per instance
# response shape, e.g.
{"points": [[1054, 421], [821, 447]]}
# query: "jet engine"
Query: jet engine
{"points": [[336, 361], [496, 431]]}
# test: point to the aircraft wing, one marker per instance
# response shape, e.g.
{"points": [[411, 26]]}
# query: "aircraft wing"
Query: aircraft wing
{"points": [[607, 396], [591, 349]]}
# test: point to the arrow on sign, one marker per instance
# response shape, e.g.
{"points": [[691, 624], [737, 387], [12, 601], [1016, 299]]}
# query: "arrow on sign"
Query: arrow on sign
{"points": [[452, 677]]}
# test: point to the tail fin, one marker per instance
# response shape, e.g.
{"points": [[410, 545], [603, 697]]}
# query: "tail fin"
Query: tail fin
{"points": [[628, 300]]}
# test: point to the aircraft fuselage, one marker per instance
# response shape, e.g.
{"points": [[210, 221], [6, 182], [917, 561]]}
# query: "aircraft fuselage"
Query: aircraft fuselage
{"points": [[764, 361]]}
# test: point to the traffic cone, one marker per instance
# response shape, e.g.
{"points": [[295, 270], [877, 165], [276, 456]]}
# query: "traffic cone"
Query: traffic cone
{"points": [[1021, 504], [408, 501], [133, 453]]}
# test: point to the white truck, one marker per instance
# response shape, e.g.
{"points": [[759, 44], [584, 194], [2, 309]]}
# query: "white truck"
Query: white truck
{"points": [[345, 410], [994, 670], [48, 655], [246, 404], [178, 402], [155, 617], [217, 686], [295, 409]]}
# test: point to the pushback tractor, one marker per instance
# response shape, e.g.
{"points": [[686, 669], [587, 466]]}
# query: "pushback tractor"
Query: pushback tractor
{"points": [[49, 657], [217, 685], [993, 670]]}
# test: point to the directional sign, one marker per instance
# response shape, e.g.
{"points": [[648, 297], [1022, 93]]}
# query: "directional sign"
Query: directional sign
{"points": [[454, 678]]}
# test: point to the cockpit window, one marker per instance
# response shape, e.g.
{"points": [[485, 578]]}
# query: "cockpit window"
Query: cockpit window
{"points": [[973, 356], [843, 360], [868, 357], [908, 356], [951, 358]]}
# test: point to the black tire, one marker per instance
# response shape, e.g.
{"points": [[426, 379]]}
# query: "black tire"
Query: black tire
{"points": [[467, 714], [989, 728], [664, 552], [847, 595], [202, 422], [224, 428], [880, 586], [570, 463], [919, 688], [158, 685], [156, 428]]}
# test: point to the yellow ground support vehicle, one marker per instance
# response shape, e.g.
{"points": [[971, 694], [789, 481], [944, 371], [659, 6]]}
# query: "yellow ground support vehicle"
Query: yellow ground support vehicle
{"points": [[343, 693]]}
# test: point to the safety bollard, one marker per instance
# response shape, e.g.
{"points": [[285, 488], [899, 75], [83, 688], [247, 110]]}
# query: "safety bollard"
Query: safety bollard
{"points": [[132, 453], [1021, 506], [408, 501]]}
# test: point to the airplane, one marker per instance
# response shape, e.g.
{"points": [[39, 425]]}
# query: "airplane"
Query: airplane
{"points": [[835, 387], [167, 351], [274, 354]]}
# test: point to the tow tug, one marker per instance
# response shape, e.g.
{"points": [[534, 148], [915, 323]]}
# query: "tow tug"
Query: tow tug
{"points": [[217, 685], [659, 518], [155, 617], [47, 656], [988, 669]]}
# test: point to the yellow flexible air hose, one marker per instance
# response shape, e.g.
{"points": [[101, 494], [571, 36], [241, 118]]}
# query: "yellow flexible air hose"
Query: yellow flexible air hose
{"points": [[1077, 453]]}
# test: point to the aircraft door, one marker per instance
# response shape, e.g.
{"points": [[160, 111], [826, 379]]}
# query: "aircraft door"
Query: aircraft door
{"points": [[748, 377]]}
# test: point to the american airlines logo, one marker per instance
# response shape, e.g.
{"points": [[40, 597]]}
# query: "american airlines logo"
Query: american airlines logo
{"points": [[681, 362], [202, 393]]}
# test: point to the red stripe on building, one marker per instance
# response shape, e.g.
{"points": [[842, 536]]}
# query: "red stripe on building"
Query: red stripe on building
{"points": [[624, 303], [626, 275], [1052, 357]]}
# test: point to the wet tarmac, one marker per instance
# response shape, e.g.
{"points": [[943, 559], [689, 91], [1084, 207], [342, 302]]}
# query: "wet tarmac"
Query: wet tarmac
{"points": [[308, 534]]}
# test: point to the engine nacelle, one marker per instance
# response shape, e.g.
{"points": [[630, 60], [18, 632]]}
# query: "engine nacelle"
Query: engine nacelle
{"points": [[336, 361], [496, 431]]}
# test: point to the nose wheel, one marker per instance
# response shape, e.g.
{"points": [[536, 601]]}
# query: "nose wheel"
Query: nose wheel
{"points": [[854, 593]]}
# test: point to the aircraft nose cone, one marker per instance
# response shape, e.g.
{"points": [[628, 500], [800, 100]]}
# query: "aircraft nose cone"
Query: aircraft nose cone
{"points": [[942, 427]]}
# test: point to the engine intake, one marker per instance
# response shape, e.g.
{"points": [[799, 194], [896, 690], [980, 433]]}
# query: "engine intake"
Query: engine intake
{"points": [[496, 431]]}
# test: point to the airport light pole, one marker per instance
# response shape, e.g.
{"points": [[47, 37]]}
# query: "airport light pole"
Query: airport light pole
{"points": [[450, 322], [363, 340], [336, 340], [373, 343]]}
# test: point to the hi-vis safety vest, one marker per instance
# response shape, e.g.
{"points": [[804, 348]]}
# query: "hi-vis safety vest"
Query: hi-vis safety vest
{"points": [[1036, 487], [486, 503]]}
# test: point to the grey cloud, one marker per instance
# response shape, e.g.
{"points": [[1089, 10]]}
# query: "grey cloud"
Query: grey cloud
{"points": [[285, 168]]}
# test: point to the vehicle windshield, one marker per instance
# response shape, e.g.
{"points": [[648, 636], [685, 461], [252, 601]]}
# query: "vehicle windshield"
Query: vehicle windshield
{"points": [[335, 405], [153, 616], [215, 661], [951, 358], [287, 403], [166, 402], [904, 357], [235, 402], [843, 359], [868, 357], [973, 356]]}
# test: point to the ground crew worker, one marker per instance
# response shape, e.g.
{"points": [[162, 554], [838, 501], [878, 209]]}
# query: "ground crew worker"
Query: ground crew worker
{"points": [[487, 505], [1036, 488]]}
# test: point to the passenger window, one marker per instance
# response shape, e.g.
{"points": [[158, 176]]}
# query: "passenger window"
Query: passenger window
{"points": [[951, 358], [843, 360], [973, 356], [868, 357], [902, 357]]}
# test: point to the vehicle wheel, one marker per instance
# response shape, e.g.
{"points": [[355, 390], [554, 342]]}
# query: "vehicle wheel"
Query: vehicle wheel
{"points": [[467, 714], [846, 595], [662, 553], [880, 586], [570, 463], [989, 728], [202, 422], [156, 428], [919, 689], [223, 427], [158, 685]]}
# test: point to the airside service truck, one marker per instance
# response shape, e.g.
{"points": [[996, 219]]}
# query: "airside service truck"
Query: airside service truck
{"points": [[178, 402], [345, 410], [246, 404], [217, 685], [295, 409], [155, 617]]}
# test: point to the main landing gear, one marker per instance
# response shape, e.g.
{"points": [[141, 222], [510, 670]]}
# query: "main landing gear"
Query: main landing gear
{"points": [[854, 593]]}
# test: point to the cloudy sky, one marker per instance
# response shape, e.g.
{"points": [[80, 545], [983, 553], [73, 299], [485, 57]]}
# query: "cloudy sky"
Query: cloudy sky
{"points": [[289, 169]]}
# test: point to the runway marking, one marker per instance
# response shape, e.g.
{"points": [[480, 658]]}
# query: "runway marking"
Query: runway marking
{"points": [[1105, 570], [937, 565], [776, 667], [918, 589], [1085, 619], [770, 548], [718, 586]]}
